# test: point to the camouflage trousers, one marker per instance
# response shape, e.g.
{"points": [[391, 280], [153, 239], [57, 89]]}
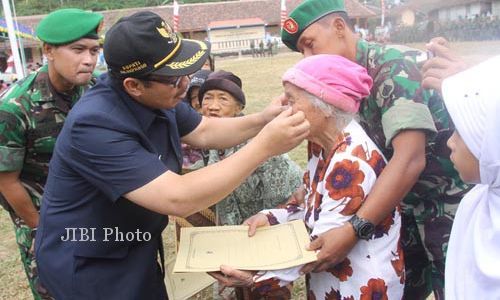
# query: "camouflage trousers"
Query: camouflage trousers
{"points": [[25, 241], [427, 219]]}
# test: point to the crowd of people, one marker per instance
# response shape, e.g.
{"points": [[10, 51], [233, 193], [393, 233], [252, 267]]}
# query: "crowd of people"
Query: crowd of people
{"points": [[261, 48], [400, 192], [478, 28]]}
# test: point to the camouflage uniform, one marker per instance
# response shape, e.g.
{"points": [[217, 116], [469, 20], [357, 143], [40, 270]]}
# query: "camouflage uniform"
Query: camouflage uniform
{"points": [[398, 102], [270, 185], [31, 116]]}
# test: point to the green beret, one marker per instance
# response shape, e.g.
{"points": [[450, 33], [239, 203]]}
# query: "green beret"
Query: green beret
{"points": [[67, 25], [304, 15]]}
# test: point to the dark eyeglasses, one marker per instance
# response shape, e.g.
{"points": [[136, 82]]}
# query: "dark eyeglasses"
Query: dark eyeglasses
{"points": [[174, 81]]}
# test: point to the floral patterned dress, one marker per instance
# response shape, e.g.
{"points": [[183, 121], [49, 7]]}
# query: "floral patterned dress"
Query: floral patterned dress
{"points": [[336, 188]]}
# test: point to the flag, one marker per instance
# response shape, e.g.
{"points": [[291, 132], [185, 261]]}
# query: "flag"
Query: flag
{"points": [[283, 12], [14, 61], [176, 16], [382, 6]]}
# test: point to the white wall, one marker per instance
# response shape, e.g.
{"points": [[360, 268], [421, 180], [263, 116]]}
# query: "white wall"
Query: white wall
{"points": [[495, 7], [235, 39], [454, 13]]}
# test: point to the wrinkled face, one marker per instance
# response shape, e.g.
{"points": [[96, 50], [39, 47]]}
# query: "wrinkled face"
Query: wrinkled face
{"points": [[299, 101], [194, 99], [218, 103], [464, 161], [75, 62], [206, 65], [320, 39], [164, 93]]}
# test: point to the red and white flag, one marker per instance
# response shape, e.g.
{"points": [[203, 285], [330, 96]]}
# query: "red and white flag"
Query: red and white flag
{"points": [[382, 6], [283, 12], [176, 16]]}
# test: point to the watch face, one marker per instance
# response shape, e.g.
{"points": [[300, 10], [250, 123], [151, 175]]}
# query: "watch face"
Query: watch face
{"points": [[366, 230]]}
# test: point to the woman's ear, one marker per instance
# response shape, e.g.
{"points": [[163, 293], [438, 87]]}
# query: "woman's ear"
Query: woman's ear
{"points": [[239, 110]]}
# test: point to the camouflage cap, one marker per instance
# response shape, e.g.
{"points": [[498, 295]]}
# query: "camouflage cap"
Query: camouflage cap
{"points": [[304, 15], [67, 25]]}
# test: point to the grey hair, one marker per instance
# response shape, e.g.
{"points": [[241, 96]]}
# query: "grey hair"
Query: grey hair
{"points": [[342, 118]]}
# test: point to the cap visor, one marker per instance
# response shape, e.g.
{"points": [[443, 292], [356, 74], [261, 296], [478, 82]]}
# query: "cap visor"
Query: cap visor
{"points": [[190, 58]]}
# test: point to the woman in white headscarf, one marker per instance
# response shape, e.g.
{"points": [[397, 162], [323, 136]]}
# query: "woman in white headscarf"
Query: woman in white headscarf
{"points": [[473, 260]]}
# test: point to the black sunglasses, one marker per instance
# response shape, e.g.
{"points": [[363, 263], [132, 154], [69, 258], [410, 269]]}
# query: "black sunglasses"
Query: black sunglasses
{"points": [[174, 81]]}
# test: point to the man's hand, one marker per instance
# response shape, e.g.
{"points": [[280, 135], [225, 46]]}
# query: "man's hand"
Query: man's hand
{"points": [[18, 198], [283, 133], [255, 221], [445, 63], [273, 109], [334, 245], [230, 277]]}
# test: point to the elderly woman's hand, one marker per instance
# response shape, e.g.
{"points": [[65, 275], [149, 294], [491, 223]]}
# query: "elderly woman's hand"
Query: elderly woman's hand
{"points": [[334, 245], [445, 63], [230, 277], [255, 221], [298, 197]]}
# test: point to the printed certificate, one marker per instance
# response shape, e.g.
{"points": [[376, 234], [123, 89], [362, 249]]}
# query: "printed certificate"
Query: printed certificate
{"points": [[181, 286], [204, 249]]}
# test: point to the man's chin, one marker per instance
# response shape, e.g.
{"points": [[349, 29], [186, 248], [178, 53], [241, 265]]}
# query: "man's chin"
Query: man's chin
{"points": [[83, 79]]}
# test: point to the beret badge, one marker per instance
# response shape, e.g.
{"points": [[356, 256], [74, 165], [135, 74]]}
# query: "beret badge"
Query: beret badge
{"points": [[290, 26]]}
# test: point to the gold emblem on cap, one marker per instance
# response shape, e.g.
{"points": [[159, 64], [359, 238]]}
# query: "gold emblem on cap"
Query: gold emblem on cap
{"points": [[190, 61], [166, 31]]}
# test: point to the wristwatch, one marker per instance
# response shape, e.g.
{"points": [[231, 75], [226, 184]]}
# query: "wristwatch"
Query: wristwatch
{"points": [[363, 228]]}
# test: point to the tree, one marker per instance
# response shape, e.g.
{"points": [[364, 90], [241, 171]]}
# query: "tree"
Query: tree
{"points": [[36, 7]]}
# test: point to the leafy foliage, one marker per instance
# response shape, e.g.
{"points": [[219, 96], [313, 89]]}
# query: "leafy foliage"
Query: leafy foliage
{"points": [[36, 7]]}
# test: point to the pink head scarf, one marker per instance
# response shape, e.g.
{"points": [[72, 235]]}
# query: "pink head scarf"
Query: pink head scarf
{"points": [[333, 79]]}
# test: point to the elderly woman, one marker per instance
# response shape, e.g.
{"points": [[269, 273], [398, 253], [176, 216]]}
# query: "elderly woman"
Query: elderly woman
{"points": [[192, 158], [343, 166], [272, 183]]}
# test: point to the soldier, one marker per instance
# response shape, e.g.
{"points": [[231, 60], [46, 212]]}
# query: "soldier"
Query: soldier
{"points": [[252, 47], [261, 48], [411, 126], [32, 113], [269, 45]]}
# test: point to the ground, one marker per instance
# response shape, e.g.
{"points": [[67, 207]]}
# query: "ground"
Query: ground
{"points": [[261, 83]]}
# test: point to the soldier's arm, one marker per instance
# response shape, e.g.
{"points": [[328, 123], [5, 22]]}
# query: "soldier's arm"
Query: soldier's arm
{"points": [[13, 124], [18, 198], [398, 177], [407, 122]]}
